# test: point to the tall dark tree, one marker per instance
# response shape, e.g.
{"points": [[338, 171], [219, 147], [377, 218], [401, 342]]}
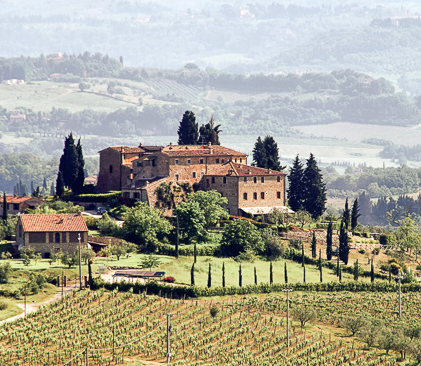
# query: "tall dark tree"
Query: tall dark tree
{"points": [[346, 215], [255, 276], [5, 215], [356, 270], [60, 185], [295, 188], [365, 207], [188, 130], [52, 191], [313, 245], [44, 184], [272, 154], [240, 277], [270, 273], [343, 244], [372, 271], [69, 163], [314, 189], [259, 154], [223, 274], [192, 275], [337, 265], [355, 214], [302, 255], [320, 265], [80, 180], [209, 133], [329, 241], [209, 276], [304, 274], [285, 273]]}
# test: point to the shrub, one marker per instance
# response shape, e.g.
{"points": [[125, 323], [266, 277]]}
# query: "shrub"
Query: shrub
{"points": [[91, 222], [5, 270], [296, 243], [376, 251], [214, 310], [3, 305], [273, 243], [169, 279], [361, 251], [247, 256], [387, 239], [101, 197]]}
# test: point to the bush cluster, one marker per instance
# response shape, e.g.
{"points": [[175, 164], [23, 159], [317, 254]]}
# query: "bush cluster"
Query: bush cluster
{"points": [[101, 197]]}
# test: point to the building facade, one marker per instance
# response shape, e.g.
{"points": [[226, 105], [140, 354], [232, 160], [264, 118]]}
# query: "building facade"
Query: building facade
{"points": [[48, 234], [18, 204]]}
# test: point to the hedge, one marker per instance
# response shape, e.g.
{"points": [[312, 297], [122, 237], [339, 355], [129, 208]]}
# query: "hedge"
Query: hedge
{"points": [[167, 290], [324, 225], [101, 197], [187, 250], [387, 239]]}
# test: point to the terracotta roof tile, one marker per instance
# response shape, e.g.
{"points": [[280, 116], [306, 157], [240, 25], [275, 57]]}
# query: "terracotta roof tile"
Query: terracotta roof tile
{"points": [[127, 149], [19, 199], [200, 150], [240, 170], [56, 222]]}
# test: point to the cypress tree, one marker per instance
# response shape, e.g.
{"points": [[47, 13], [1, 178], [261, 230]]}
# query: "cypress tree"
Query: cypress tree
{"points": [[60, 185], [192, 275], [272, 154], [188, 133], [313, 246], [69, 163], [259, 154], [209, 277], [329, 237], [255, 276], [240, 277], [314, 189], [5, 213], [80, 179], [52, 191], [340, 274], [390, 274], [337, 265], [302, 255], [209, 133], [195, 252], [286, 273], [223, 274], [32, 188], [90, 279], [295, 188], [372, 271], [320, 265], [355, 214], [271, 273], [44, 184], [356, 270], [304, 274], [346, 215], [343, 244]]}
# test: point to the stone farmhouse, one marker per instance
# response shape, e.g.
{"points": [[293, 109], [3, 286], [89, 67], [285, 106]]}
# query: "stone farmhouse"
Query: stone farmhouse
{"points": [[139, 171], [51, 233], [16, 204]]}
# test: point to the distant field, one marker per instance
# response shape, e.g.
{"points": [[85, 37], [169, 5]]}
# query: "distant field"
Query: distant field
{"points": [[358, 132]]}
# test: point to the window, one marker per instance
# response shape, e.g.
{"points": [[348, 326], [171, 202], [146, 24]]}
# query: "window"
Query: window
{"points": [[111, 169], [194, 174], [217, 161], [16, 206], [176, 177], [241, 160], [139, 164], [255, 179], [262, 195], [176, 162], [278, 195], [201, 161], [235, 160], [224, 180], [153, 163], [207, 182], [188, 161], [136, 195], [245, 196], [213, 179], [255, 195], [245, 179], [262, 179], [57, 238], [222, 161], [279, 178]]}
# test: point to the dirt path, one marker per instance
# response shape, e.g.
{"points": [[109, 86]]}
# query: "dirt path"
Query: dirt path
{"points": [[30, 307]]}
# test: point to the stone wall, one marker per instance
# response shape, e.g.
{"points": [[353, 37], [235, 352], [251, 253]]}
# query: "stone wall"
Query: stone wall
{"points": [[109, 178]]}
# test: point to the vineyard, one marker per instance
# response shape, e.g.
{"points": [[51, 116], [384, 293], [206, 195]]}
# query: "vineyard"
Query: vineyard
{"points": [[109, 328], [168, 87]]}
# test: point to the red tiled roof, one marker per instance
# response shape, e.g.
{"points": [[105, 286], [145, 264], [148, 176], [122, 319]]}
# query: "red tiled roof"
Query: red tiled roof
{"points": [[18, 199], [240, 170], [200, 150], [56, 222], [127, 149]]}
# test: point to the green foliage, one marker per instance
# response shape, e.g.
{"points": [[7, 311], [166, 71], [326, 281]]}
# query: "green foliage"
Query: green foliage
{"points": [[387, 239], [100, 197], [266, 154], [273, 244], [295, 188], [187, 250], [122, 248], [106, 226], [150, 262], [192, 220], [304, 314], [214, 310], [313, 245], [5, 270], [346, 216], [144, 225], [188, 130], [210, 276], [240, 236], [314, 189], [209, 133], [5, 213], [329, 241], [354, 324], [210, 203], [247, 256], [355, 214], [71, 166], [165, 194], [192, 275], [343, 244]]}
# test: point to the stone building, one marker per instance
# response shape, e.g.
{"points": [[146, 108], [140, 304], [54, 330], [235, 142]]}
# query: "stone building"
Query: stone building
{"points": [[52, 233], [16, 204], [248, 189]]}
